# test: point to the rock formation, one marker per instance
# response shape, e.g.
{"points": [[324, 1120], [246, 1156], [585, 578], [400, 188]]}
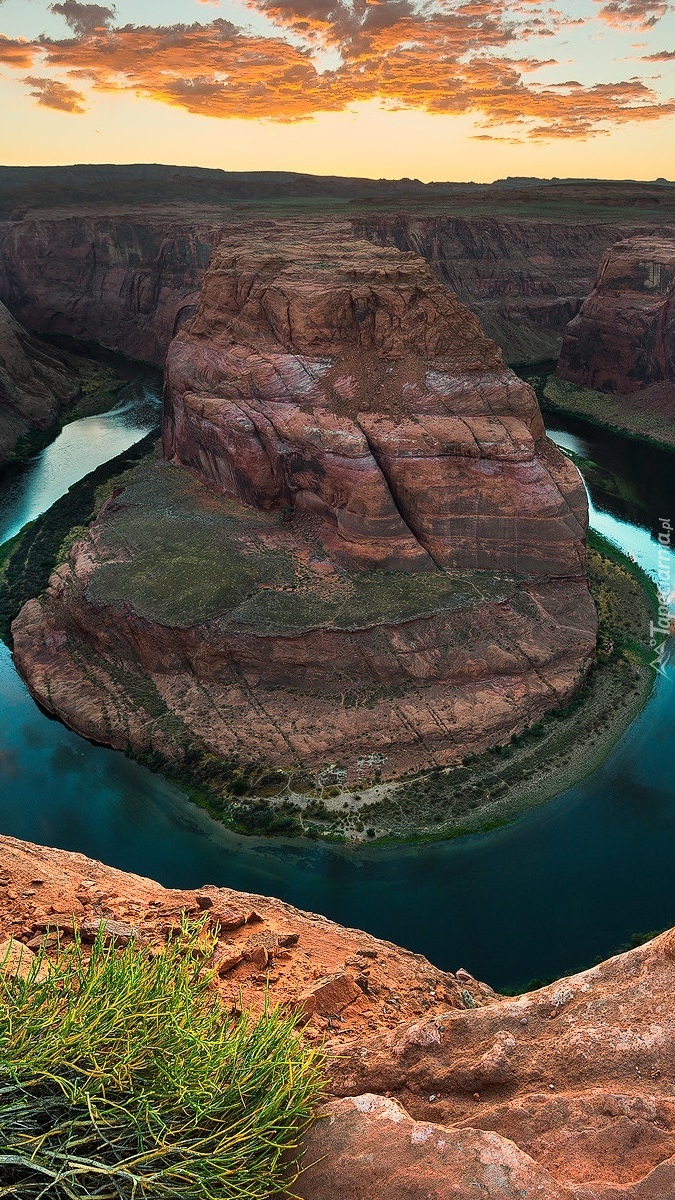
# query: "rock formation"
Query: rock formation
{"points": [[437, 1086], [36, 385], [122, 282], [623, 339], [375, 550], [343, 381], [103, 259], [525, 280]]}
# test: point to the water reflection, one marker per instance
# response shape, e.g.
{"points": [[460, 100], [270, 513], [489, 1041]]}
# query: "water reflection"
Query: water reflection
{"points": [[79, 448]]}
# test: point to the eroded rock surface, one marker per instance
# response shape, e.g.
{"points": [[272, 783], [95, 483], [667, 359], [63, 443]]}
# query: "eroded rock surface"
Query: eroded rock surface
{"points": [[344, 381], [364, 984], [525, 280], [623, 339], [437, 1087], [375, 550], [578, 1076], [122, 282], [36, 385]]}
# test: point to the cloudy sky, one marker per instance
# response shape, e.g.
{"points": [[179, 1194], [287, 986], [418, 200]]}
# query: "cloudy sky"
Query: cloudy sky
{"points": [[433, 89]]}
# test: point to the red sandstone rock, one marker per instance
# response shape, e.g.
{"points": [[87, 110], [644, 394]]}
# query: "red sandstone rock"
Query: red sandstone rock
{"points": [[330, 995], [623, 339], [343, 380], [525, 280], [433, 1099], [36, 385], [127, 276], [124, 283], [368, 1146], [17, 959], [588, 1095], [354, 416], [313, 945]]}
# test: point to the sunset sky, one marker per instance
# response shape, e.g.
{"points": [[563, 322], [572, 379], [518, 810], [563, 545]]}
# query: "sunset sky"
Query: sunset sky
{"points": [[432, 89]]}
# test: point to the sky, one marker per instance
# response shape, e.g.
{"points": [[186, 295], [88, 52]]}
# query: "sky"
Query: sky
{"points": [[426, 89]]}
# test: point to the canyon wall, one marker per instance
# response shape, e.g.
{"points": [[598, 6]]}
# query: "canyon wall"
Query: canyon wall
{"points": [[128, 278], [437, 1086], [373, 551], [36, 384], [623, 339], [525, 279], [123, 282]]}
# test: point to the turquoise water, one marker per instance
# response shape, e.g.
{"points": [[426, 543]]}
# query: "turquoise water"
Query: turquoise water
{"points": [[562, 886]]}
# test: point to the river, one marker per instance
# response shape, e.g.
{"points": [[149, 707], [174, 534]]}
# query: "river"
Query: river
{"points": [[564, 885]]}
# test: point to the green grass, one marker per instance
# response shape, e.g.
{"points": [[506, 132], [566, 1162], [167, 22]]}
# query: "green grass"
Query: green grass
{"points": [[182, 555], [122, 1076], [610, 410]]}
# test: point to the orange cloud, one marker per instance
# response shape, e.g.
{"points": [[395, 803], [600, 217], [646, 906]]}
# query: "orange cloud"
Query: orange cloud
{"points": [[443, 58], [16, 52], [636, 14], [50, 93]]}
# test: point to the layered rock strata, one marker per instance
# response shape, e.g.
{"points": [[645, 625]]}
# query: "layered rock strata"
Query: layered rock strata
{"points": [[343, 381], [374, 553], [36, 384], [436, 1086], [525, 280], [123, 282], [127, 277], [623, 339]]}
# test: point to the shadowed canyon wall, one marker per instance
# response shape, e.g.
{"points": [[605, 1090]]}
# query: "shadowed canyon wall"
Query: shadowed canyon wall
{"points": [[36, 384]]}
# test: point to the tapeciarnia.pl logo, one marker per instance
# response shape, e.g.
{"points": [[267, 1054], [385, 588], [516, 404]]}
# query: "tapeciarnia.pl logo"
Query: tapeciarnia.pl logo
{"points": [[660, 631]]}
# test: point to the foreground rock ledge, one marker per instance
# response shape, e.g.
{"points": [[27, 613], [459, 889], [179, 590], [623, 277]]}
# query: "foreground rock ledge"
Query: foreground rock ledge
{"points": [[362, 549], [441, 1089]]}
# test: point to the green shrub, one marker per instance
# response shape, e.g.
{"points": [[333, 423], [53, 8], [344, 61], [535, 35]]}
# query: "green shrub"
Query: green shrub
{"points": [[123, 1076]]}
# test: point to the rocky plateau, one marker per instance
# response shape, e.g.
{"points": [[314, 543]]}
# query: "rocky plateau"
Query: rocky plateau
{"points": [[437, 1086], [115, 255], [360, 544]]}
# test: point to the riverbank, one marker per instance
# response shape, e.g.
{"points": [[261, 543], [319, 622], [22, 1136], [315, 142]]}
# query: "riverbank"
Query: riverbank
{"points": [[28, 559], [100, 385], [553, 755], [642, 415]]}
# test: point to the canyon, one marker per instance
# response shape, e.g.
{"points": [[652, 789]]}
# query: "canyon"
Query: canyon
{"points": [[436, 1084], [36, 384], [623, 339], [358, 549], [115, 255]]}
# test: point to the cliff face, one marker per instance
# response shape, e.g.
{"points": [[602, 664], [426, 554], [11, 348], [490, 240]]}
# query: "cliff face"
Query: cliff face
{"points": [[121, 282], [525, 280], [623, 339], [437, 1086], [36, 385], [128, 278], [375, 550], [345, 382]]}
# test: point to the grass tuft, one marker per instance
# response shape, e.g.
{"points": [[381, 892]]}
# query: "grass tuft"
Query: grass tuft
{"points": [[122, 1076]]}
